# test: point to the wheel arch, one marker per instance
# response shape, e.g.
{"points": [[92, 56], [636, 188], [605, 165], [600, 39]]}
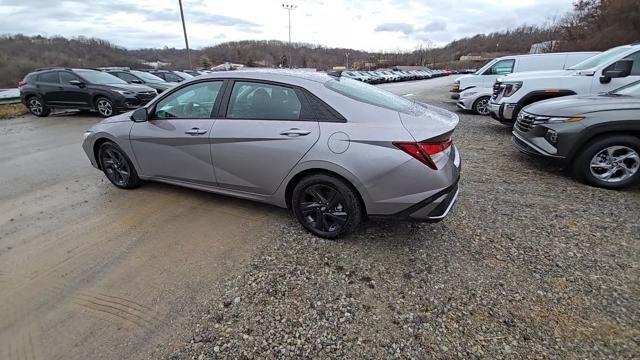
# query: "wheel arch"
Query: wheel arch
{"points": [[540, 95], [291, 184], [598, 133]]}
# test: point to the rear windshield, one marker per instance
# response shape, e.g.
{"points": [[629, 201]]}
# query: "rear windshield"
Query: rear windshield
{"points": [[366, 93], [99, 77]]}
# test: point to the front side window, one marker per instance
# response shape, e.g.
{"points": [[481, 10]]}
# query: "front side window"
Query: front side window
{"points": [[124, 76], [635, 69], [50, 77], [66, 77], [191, 102], [251, 100], [501, 67]]}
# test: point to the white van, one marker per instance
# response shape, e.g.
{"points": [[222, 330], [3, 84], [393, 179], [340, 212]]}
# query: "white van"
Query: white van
{"points": [[487, 75]]}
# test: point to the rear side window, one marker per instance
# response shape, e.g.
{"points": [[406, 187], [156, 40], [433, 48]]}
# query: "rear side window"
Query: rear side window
{"points": [[371, 95], [250, 100], [49, 77]]}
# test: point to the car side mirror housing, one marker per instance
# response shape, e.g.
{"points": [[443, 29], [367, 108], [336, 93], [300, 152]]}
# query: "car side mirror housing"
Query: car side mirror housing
{"points": [[619, 69], [136, 81], [140, 115], [77, 83]]}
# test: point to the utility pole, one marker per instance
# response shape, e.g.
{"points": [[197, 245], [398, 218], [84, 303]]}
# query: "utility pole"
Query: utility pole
{"points": [[186, 40], [347, 55], [290, 7]]}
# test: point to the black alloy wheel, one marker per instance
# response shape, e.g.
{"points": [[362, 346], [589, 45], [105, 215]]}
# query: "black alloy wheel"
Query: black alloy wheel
{"points": [[326, 206], [117, 167]]}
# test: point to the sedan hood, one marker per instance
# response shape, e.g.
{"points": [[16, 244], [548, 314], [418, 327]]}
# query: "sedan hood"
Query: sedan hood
{"points": [[583, 104], [428, 122]]}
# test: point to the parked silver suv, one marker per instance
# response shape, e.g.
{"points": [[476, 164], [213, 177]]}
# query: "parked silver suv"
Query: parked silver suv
{"points": [[332, 149]]}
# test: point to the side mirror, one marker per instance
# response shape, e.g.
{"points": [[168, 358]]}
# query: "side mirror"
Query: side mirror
{"points": [[77, 83], [619, 69], [140, 115], [136, 81]]}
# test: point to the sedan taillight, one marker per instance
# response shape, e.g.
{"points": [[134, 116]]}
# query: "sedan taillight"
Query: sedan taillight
{"points": [[425, 150]]}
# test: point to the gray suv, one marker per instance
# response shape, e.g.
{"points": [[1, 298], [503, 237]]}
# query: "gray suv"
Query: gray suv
{"points": [[332, 149], [596, 136]]}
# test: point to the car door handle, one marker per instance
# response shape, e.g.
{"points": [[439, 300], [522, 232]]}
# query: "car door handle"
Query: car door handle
{"points": [[295, 132], [195, 131]]}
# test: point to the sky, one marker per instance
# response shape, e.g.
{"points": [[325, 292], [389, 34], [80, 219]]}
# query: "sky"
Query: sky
{"points": [[372, 25]]}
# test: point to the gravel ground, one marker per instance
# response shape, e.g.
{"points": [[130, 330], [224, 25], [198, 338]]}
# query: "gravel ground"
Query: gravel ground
{"points": [[530, 264]]}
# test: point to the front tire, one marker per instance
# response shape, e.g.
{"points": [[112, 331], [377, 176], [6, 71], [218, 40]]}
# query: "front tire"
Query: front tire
{"points": [[117, 167], [612, 162], [326, 206], [481, 106], [37, 107], [105, 107]]}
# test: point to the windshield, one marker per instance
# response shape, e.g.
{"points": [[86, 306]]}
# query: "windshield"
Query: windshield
{"points": [[600, 59], [147, 77], [370, 94], [99, 77], [183, 75], [632, 89]]}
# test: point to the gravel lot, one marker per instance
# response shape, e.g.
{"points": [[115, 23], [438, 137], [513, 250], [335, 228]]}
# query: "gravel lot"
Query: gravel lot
{"points": [[530, 264]]}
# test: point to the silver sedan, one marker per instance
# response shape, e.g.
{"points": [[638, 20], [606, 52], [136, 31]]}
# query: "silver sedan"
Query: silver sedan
{"points": [[332, 149]]}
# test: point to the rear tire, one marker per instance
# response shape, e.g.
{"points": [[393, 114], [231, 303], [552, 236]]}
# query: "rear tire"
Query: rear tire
{"points": [[611, 162], [481, 106], [37, 107], [326, 206], [117, 167], [105, 107]]}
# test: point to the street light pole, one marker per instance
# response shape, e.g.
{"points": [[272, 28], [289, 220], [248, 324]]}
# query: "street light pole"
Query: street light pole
{"points": [[184, 29], [347, 55], [290, 7]]}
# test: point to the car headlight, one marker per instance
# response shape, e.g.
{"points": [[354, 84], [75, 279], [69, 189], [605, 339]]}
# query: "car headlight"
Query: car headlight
{"points": [[511, 88], [565, 119], [124, 92]]}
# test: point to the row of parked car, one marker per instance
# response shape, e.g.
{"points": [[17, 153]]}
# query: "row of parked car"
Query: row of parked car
{"points": [[385, 76], [107, 90], [580, 109]]}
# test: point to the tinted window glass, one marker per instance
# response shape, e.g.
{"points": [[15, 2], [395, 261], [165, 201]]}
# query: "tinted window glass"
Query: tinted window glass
{"points": [[191, 102], [171, 77], [125, 76], [65, 77], [263, 101], [50, 77]]}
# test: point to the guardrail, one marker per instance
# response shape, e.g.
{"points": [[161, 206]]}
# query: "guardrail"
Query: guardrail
{"points": [[9, 96]]}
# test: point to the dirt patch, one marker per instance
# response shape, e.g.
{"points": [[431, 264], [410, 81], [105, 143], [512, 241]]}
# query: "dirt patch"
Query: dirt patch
{"points": [[8, 111]]}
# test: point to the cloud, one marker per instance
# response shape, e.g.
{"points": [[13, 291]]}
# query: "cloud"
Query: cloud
{"points": [[434, 26], [395, 27]]}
